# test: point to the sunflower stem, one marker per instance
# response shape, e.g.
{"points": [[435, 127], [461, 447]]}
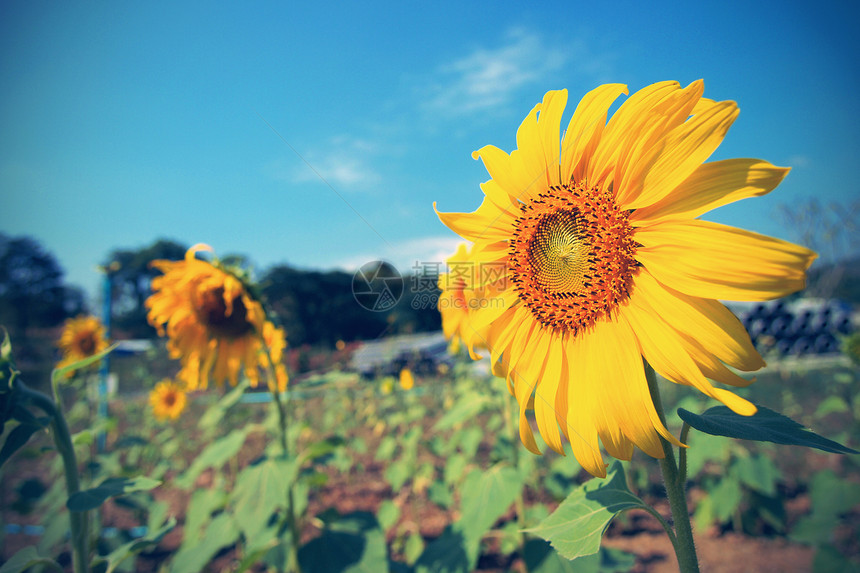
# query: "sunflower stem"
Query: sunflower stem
{"points": [[685, 548], [283, 423], [518, 501], [78, 520], [682, 454]]}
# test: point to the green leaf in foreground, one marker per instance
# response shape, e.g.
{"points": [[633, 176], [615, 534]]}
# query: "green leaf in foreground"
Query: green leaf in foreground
{"points": [[58, 373], [92, 498], [540, 557], [576, 527], [123, 552], [764, 426], [349, 543], [17, 438], [485, 496], [261, 490], [27, 558]]}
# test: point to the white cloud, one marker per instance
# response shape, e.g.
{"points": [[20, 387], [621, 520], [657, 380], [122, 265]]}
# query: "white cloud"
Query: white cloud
{"points": [[800, 161], [344, 164], [487, 78]]}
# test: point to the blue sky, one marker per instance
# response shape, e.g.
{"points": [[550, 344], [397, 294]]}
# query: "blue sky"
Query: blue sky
{"points": [[125, 122]]}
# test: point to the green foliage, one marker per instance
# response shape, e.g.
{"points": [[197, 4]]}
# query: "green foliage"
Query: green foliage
{"points": [[352, 543], [221, 532], [21, 434], [831, 498], [27, 558], [58, 373], [540, 557], [116, 557], [764, 426], [467, 408], [214, 455], [576, 527], [92, 498], [388, 514], [447, 442], [259, 492]]}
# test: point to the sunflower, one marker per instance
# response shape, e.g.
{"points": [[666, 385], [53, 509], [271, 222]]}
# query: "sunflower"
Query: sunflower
{"points": [[213, 323], [457, 302], [168, 400], [607, 262], [407, 380], [81, 338]]}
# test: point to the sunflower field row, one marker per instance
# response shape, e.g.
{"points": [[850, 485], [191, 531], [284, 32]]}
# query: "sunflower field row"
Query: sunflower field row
{"points": [[426, 478]]}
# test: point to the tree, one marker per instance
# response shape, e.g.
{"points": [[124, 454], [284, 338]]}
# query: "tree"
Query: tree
{"points": [[832, 231], [32, 292], [131, 276], [318, 307]]}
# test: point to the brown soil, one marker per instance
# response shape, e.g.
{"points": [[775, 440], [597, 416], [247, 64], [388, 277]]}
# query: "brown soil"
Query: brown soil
{"points": [[639, 533]]}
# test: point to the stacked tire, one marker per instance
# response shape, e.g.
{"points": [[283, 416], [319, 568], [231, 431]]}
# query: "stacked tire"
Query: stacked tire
{"points": [[800, 329]]}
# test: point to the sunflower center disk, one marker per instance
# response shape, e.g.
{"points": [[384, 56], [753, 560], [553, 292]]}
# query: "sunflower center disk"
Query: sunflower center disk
{"points": [[572, 257], [87, 344], [558, 253], [211, 310]]}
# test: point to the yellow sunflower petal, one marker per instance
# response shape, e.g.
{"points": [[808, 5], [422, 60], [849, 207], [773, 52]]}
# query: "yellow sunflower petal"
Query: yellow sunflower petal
{"points": [[710, 365], [500, 336], [661, 347], [545, 400], [499, 166], [579, 428], [684, 150], [708, 321], [585, 128], [486, 223], [624, 126], [710, 186], [623, 392], [655, 130], [525, 375], [549, 124], [709, 260]]}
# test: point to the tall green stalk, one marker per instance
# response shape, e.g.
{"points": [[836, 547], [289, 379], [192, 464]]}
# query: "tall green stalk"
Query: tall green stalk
{"points": [[78, 520], [518, 501], [283, 427], [685, 548]]}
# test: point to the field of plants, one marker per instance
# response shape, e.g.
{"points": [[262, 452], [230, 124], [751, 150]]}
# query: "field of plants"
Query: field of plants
{"points": [[432, 477]]}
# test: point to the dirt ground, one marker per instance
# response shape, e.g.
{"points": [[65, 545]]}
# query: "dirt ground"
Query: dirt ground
{"points": [[639, 533]]}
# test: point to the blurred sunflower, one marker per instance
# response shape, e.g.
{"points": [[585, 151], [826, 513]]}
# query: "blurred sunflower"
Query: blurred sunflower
{"points": [[213, 323], [607, 262], [457, 302], [81, 338], [407, 380], [168, 400]]}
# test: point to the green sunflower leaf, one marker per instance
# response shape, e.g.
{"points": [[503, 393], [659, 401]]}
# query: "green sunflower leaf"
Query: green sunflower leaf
{"points": [[575, 528], [58, 373], [111, 487], [127, 550], [764, 426], [351, 543], [260, 490], [485, 496], [18, 437]]}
